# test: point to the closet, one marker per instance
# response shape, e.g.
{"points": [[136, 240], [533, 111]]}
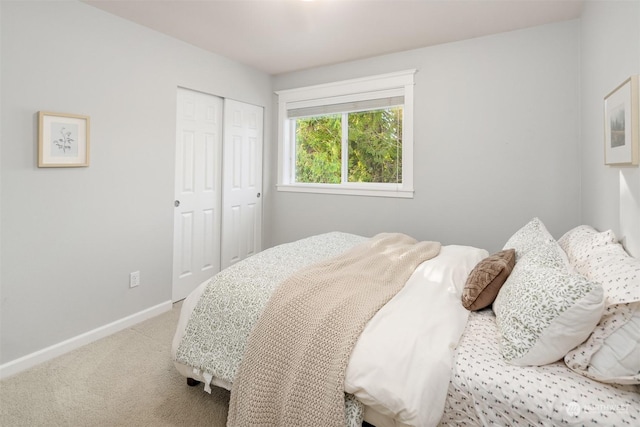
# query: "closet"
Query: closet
{"points": [[218, 186]]}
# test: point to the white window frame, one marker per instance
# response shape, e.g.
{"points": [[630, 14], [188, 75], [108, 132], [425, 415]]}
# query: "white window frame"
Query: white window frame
{"points": [[380, 86]]}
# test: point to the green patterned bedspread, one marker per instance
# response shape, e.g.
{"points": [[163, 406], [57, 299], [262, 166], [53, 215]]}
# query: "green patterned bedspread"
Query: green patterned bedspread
{"points": [[217, 332]]}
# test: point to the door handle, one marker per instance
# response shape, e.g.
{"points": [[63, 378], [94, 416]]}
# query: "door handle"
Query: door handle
{"points": [[258, 195], [176, 203]]}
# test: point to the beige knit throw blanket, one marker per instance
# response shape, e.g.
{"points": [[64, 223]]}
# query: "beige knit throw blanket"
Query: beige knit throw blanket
{"points": [[293, 369]]}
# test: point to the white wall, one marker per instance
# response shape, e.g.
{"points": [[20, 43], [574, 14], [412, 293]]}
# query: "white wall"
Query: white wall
{"points": [[496, 143], [70, 236], [610, 54]]}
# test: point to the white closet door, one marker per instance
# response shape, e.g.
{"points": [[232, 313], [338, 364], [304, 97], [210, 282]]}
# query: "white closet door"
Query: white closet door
{"points": [[242, 181], [196, 247]]}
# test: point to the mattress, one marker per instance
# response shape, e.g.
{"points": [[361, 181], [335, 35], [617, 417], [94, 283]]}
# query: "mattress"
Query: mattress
{"points": [[485, 390]]}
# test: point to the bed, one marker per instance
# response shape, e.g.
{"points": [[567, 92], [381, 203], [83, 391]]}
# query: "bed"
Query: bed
{"points": [[451, 346]]}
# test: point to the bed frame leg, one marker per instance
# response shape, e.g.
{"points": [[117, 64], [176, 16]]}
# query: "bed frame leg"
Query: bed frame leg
{"points": [[192, 383]]}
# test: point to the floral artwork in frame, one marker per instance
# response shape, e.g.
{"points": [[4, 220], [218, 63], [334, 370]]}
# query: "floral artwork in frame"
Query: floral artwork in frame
{"points": [[63, 140], [622, 124]]}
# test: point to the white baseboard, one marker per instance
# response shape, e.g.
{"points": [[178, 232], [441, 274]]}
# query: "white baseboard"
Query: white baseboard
{"points": [[30, 360]]}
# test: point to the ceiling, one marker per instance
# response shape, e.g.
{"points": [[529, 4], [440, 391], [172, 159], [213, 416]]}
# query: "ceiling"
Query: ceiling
{"points": [[279, 36]]}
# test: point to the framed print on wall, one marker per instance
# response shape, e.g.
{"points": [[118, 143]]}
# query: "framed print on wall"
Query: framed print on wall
{"points": [[621, 124], [63, 140]]}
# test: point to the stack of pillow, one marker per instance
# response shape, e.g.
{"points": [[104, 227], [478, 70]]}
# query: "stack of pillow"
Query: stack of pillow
{"points": [[612, 352], [577, 298]]}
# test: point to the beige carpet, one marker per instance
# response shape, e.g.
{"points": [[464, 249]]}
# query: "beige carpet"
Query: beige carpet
{"points": [[126, 379]]}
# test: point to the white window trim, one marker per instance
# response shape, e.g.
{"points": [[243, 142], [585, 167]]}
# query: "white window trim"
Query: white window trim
{"points": [[329, 93]]}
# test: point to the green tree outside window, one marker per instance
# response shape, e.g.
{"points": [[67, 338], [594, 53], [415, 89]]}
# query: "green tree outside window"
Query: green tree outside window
{"points": [[374, 141]]}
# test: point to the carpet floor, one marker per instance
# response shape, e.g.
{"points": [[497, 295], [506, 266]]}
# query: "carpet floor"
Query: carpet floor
{"points": [[126, 379]]}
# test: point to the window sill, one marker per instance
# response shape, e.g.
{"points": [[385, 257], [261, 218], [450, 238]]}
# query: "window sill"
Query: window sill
{"points": [[355, 190]]}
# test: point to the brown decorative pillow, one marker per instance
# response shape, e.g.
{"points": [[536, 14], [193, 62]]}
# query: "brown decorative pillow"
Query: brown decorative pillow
{"points": [[486, 279]]}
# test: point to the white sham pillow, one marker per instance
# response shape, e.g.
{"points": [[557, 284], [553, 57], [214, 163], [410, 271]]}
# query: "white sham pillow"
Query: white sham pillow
{"points": [[619, 355], [580, 242], [616, 271], [543, 310], [612, 352]]}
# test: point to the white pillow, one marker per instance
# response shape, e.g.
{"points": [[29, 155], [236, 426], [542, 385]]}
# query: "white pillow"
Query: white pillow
{"points": [[543, 310], [580, 242], [612, 352], [530, 236], [616, 271], [620, 352]]}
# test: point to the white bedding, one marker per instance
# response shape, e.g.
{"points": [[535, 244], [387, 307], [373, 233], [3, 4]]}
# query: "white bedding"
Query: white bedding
{"points": [[485, 390], [401, 364]]}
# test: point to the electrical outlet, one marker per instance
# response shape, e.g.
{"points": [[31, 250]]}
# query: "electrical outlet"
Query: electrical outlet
{"points": [[134, 279]]}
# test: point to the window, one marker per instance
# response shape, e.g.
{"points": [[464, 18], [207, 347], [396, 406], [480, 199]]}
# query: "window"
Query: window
{"points": [[350, 137]]}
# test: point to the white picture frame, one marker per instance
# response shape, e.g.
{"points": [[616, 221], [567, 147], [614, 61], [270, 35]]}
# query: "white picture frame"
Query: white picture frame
{"points": [[63, 140], [621, 124]]}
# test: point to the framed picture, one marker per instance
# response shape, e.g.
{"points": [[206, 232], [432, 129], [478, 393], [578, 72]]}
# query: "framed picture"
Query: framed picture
{"points": [[622, 124], [63, 140]]}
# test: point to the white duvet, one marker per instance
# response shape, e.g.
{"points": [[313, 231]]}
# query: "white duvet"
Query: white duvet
{"points": [[401, 365]]}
